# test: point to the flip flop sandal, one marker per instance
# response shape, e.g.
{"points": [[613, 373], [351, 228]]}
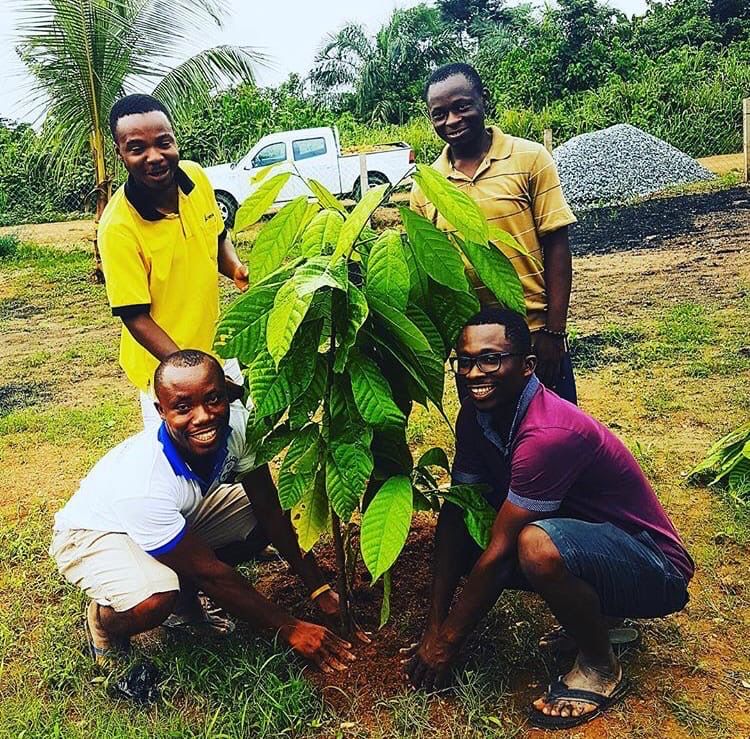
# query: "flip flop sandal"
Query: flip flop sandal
{"points": [[558, 690], [106, 658]]}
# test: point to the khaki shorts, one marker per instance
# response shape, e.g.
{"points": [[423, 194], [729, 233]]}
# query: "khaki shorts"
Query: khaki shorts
{"points": [[114, 571]]}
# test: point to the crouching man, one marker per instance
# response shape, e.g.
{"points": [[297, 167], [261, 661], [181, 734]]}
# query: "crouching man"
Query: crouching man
{"points": [[161, 517], [577, 523]]}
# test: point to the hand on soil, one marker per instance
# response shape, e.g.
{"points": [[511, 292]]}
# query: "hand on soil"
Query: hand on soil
{"points": [[430, 665], [320, 646]]}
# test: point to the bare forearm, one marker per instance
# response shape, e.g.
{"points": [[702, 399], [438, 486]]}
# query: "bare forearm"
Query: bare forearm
{"points": [[150, 335], [558, 275], [227, 257]]}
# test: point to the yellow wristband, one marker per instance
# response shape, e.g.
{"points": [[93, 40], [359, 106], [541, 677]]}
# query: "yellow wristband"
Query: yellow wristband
{"points": [[319, 591]]}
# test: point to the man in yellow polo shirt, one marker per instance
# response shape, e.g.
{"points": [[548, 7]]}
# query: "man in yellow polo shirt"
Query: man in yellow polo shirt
{"points": [[162, 242], [515, 183]]}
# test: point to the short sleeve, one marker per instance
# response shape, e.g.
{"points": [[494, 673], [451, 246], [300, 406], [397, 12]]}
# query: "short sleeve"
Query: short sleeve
{"points": [[551, 210], [468, 466], [238, 445], [545, 464], [154, 523], [125, 269]]}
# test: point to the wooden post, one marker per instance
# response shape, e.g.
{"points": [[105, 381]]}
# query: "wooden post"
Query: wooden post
{"points": [[363, 184], [548, 139], [746, 135]]}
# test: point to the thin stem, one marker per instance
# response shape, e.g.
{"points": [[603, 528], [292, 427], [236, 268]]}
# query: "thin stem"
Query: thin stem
{"points": [[338, 544]]}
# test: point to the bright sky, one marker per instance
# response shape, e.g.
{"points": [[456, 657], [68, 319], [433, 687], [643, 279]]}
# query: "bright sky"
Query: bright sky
{"points": [[288, 31]]}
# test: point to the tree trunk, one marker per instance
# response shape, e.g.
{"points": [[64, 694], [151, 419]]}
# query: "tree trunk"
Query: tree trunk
{"points": [[103, 193], [341, 583]]}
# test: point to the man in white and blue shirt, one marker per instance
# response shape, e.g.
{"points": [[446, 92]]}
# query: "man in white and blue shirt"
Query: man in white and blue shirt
{"points": [[165, 511]]}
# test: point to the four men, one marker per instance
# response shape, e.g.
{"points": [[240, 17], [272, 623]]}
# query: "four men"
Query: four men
{"points": [[170, 511]]}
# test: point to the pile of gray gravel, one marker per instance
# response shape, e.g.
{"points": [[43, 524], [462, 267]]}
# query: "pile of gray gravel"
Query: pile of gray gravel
{"points": [[619, 163]]}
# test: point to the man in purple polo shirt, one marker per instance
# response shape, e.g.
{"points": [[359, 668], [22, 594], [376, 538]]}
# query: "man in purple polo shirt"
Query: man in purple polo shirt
{"points": [[577, 523]]}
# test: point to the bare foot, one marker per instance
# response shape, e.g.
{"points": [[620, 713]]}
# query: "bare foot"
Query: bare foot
{"points": [[598, 679]]}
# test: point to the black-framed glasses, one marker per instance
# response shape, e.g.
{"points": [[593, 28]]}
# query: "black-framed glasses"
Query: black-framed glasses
{"points": [[487, 363]]}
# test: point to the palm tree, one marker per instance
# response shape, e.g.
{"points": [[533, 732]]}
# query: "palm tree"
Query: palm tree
{"points": [[384, 75], [85, 54]]}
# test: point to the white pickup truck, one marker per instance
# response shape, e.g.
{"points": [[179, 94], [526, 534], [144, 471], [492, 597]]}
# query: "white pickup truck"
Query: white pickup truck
{"points": [[312, 153]]}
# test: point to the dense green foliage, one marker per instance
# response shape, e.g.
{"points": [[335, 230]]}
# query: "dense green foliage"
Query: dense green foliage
{"points": [[679, 71], [341, 333], [728, 462]]}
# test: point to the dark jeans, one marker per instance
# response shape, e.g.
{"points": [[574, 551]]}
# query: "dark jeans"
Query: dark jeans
{"points": [[565, 388]]}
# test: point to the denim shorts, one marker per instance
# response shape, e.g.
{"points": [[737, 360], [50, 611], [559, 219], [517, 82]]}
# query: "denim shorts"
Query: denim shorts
{"points": [[631, 575]]}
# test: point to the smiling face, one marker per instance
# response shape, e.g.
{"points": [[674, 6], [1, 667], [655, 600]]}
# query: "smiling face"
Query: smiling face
{"points": [[193, 403], [456, 110], [500, 389], [147, 147]]}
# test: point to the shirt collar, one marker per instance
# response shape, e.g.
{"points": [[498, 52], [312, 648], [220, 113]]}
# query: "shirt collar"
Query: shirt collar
{"points": [[485, 419], [500, 148], [140, 197], [181, 468]]}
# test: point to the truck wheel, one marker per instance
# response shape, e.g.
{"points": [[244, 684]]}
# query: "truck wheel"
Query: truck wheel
{"points": [[373, 180], [227, 207]]}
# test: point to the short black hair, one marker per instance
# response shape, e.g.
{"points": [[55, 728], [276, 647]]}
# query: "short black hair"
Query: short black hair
{"points": [[132, 104], [184, 358], [516, 329], [449, 70]]}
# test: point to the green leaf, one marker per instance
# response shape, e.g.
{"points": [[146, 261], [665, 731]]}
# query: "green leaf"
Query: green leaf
{"points": [[262, 173], [357, 312], [435, 457], [422, 321], [418, 278], [304, 408], [348, 468], [497, 235], [391, 452], [274, 444], [322, 233], [450, 310], [385, 608], [400, 326], [479, 515], [434, 251], [388, 271], [325, 197], [455, 206], [260, 201], [345, 420], [297, 473], [276, 239], [385, 525], [241, 331], [357, 220], [372, 393], [498, 274], [310, 515], [421, 502]]}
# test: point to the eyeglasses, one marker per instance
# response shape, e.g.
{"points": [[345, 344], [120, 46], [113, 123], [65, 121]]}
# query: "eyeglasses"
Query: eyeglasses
{"points": [[487, 363]]}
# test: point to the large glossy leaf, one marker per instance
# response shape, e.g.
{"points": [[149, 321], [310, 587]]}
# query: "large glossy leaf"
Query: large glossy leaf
{"points": [[357, 220], [346, 423], [297, 473], [499, 236], [260, 201], [356, 314], [391, 452], [450, 310], [479, 515], [455, 206], [434, 251], [276, 239], [498, 274], [241, 331], [322, 233], [418, 278], [325, 197], [422, 321], [400, 326], [275, 443], [348, 468], [385, 525], [302, 409], [271, 389], [388, 271], [436, 457], [372, 393], [310, 515]]}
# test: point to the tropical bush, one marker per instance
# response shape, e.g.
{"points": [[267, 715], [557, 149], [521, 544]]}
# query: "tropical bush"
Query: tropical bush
{"points": [[341, 332]]}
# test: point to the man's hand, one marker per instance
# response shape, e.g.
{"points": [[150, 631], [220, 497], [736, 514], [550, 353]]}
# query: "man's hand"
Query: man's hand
{"points": [[549, 351], [319, 645], [328, 603], [430, 666], [241, 277]]}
